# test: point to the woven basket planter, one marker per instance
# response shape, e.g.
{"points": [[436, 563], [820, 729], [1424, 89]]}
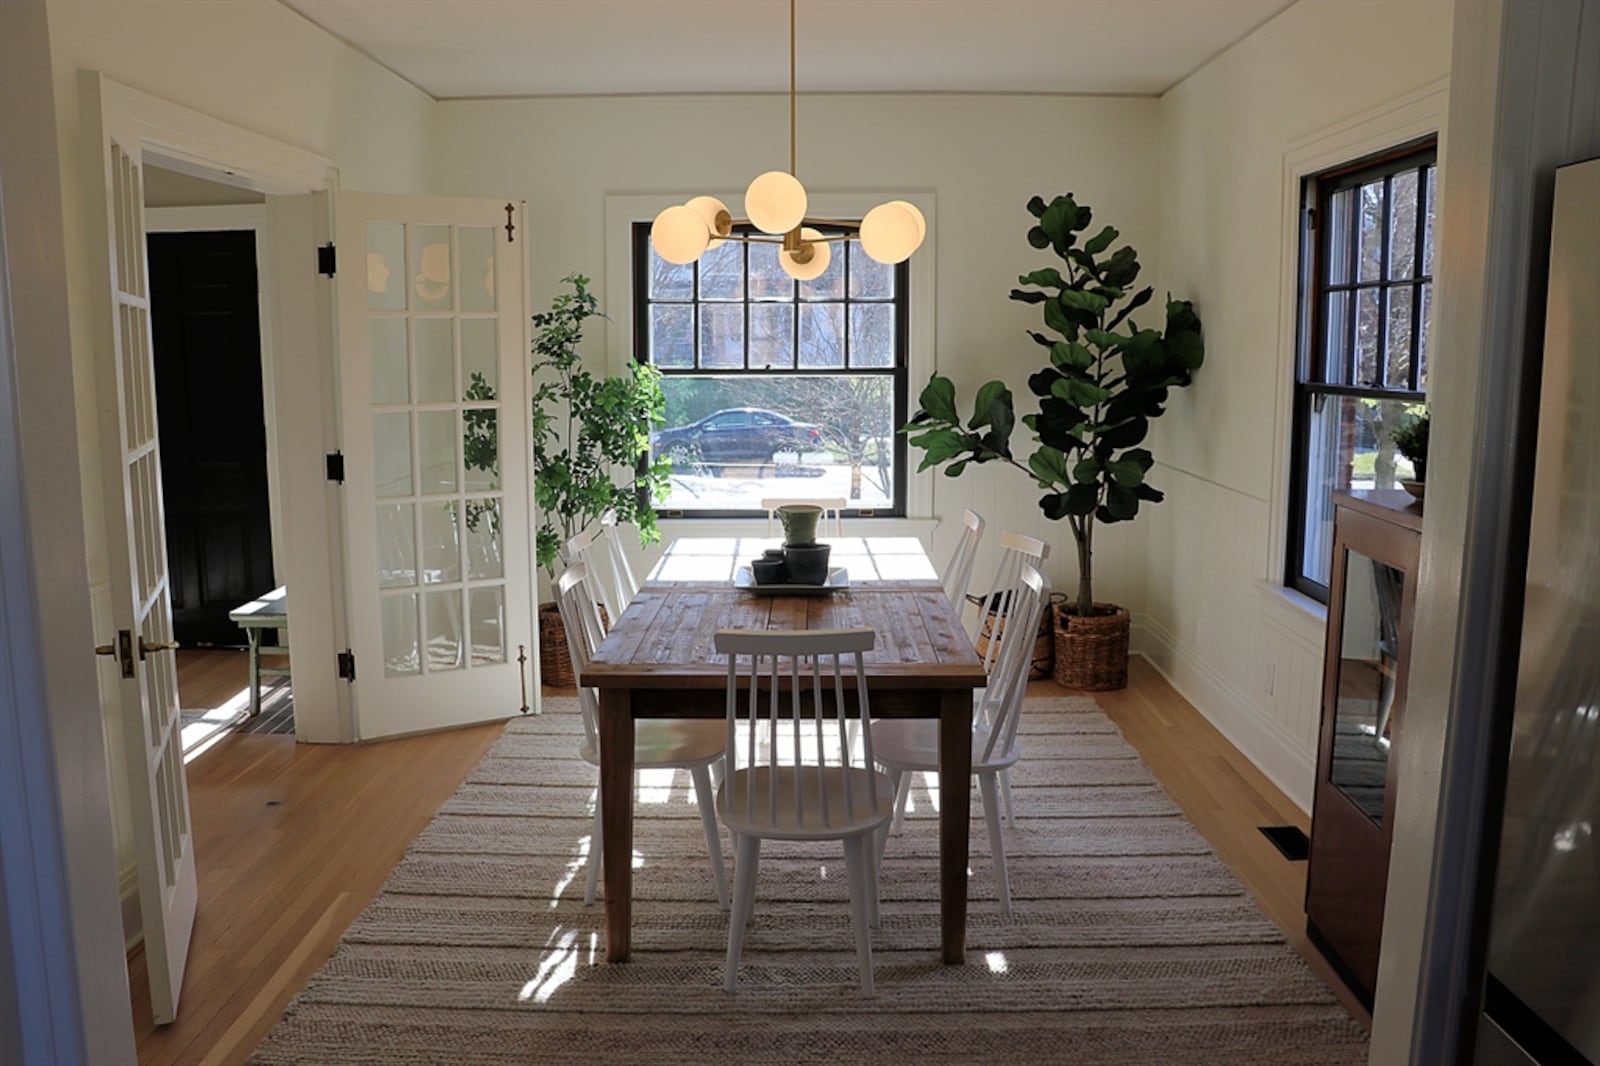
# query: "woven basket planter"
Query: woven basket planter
{"points": [[1092, 653], [1044, 648], [555, 662]]}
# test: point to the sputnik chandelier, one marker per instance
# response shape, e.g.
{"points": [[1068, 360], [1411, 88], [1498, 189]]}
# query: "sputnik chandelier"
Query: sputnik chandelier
{"points": [[776, 205]]}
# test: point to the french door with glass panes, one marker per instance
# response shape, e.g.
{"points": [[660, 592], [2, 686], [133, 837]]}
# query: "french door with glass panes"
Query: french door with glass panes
{"points": [[435, 424]]}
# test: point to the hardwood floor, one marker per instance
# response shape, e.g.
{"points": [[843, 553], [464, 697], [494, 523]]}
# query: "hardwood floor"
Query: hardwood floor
{"points": [[1226, 798], [294, 840]]}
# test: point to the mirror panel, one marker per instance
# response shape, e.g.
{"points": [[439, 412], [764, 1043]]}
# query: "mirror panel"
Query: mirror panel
{"points": [[1369, 656]]}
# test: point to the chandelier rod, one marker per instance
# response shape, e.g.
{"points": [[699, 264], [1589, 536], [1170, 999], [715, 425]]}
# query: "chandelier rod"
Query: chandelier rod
{"points": [[791, 91]]}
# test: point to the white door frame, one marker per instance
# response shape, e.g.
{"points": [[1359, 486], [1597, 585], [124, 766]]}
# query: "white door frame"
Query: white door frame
{"points": [[308, 522], [41, 1006], [250, 218]]}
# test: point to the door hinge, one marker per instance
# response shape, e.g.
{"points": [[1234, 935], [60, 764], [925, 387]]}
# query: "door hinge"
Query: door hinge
{"points": [[327, 262], [347, 665], [1311, 219], [336, 467]]}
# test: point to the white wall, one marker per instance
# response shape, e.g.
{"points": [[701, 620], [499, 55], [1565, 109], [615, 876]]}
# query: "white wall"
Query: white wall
{"points": [[979, 157], [254, 63], [1246, 656]]}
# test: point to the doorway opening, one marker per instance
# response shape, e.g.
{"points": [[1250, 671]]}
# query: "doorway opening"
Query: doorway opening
{"points": [[220, 499]]}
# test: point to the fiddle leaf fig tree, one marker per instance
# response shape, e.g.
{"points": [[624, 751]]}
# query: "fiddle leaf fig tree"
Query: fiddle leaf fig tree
{"points": [[1103, 380], [591, 435]]}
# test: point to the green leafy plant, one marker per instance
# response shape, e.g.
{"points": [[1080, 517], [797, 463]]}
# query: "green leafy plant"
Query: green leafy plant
{"points": [[1411, 437], [1104, 380], [591, 435]]}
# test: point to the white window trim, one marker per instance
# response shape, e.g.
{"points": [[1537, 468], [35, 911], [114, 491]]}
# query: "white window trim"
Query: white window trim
{"points": [[623, 210], [1417, 114]]}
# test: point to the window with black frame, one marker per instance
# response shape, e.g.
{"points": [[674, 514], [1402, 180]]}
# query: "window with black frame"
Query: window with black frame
{"points": [[775, 387], [1362, 362]]}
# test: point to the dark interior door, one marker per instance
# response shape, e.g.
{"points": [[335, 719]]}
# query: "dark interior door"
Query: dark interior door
{"points": [[207, 334]]}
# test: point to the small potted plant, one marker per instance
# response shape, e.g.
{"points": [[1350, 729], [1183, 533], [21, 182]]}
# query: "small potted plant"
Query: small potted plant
{"points": [[1411, 438], [1103, 380], [591, 440]]}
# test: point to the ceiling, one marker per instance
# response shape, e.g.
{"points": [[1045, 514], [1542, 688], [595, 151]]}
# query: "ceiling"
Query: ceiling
{"points": [[486, 48]]}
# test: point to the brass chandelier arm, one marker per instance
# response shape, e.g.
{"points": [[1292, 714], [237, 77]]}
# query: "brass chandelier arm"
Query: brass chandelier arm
{"points": [[852, 226]]}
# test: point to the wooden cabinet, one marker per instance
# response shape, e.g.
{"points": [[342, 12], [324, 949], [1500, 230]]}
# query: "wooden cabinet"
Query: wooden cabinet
{"points": [[1376, 539]]}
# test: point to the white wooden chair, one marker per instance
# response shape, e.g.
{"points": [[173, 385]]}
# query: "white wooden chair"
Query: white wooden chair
{"points": [[610, 576], [627, 586], [911, 745], [958, 571], [773, 791], [830, 522], [679, 744], [994, 610], [1015, 550]]}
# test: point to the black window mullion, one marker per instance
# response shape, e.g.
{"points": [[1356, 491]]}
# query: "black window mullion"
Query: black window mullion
{"points": [[1385, 291], [1353, 259], [744, 287], [694, 313], [1415, 368], [844, 302]]}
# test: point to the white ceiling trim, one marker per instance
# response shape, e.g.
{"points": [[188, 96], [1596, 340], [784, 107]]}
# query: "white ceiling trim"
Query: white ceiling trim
{"points": [[492, 49]]}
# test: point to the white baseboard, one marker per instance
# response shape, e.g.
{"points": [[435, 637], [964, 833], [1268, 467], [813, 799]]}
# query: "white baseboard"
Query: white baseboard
{"points": [[132, 920], [1237, 717]]}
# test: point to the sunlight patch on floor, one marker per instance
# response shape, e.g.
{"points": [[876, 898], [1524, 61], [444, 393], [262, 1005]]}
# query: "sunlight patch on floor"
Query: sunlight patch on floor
{"points": [[201, 733], [929, 792], [559, 965], [654, 786]]}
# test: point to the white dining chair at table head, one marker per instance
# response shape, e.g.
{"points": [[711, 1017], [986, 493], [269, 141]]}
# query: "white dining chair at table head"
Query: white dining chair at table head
{"points": [[795, 775], [695, 745], [830, 523]]}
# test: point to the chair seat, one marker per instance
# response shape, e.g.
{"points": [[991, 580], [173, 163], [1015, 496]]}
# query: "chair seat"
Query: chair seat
{"points": [[913, 744], [659, 742], [732, 798]]}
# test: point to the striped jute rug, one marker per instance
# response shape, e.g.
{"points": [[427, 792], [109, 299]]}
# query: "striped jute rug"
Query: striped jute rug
{"points": [[1130, 942]]}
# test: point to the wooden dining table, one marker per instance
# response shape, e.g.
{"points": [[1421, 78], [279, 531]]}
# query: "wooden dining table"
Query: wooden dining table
{"points": [[658, 662]]}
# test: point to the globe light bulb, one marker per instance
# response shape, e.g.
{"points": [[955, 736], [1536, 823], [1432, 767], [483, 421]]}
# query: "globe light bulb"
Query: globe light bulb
{"points": [[821, 256], [679, 235], [719, 223], [891, 232], [916, 213], [775, 202]]}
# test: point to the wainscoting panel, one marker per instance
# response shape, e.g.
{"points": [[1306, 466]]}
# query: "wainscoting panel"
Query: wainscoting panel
{"points": [[1206, 628]]}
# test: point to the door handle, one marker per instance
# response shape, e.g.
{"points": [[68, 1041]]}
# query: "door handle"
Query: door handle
{"points": [[122, 649], [161, 645]]}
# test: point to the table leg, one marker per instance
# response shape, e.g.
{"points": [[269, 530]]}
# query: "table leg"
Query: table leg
{"points": [[616, 816], [955, 812], [253, 635]]}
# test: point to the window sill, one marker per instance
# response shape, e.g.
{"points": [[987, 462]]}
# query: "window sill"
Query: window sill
{"points": [[1295, 612], [671, 528]]}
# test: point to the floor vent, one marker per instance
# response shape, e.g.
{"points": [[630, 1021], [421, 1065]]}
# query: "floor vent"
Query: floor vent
{"points": [[1288, 839]]}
